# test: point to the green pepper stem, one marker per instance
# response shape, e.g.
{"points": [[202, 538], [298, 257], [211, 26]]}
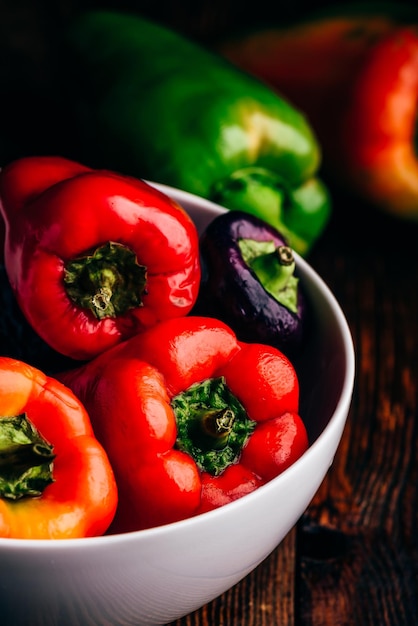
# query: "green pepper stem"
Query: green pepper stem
{"points": [[27, 454], [274, 268], [212, 425], [108, 281], [25, 459]]}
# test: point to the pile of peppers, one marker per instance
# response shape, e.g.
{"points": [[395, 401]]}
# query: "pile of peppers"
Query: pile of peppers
{"points": [[190, 417], [164, 413], [353, 70]]}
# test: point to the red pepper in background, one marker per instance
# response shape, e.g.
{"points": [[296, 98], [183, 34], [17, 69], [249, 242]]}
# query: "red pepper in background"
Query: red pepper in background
{"points": [[92, 256], [56, 481], [379, 129], [354, 73], [190, 417]]}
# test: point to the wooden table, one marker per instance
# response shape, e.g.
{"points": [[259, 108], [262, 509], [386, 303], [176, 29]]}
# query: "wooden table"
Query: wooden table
{"points": [[352, 559]]}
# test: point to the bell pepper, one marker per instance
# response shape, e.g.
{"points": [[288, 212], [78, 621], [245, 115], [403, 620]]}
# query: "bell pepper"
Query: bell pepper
{"points": [[333, 66], [378, 131], [190, 417], [153, 104], [250, 281], [56, 481], [92, 256]]}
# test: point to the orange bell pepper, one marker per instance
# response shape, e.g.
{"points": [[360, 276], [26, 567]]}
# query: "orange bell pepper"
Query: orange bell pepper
{"points": [[56, 481]]}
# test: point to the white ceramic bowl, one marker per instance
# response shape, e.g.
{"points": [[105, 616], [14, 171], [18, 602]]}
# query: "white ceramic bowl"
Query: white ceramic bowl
{"points": [[157, 575]]}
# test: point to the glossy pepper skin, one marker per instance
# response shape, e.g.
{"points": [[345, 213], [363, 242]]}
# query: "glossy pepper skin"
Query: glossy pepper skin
{"points": [[56, 481], [191, 418], [352, 69], [155, 105], [92, 256], [249, 280]]}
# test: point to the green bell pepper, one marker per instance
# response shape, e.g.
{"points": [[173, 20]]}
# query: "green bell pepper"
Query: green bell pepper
{"points": [[158, 106]]}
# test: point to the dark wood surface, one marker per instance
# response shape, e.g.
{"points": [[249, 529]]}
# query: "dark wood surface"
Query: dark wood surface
{"points": [[352, 558]]}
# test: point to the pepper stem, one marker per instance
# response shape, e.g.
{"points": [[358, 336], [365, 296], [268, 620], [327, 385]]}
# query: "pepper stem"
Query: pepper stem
{"points": [[274, 268], [215, 427], [26, 454], [108, 281], [25, 459], [212, 425]]}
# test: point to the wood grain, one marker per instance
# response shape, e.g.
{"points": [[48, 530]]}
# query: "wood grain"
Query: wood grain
{"points": [[358, 552]]}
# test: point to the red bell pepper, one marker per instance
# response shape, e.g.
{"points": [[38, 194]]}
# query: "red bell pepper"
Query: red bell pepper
{"points": [[191, 418], [92, 256], [56, 481], [378, 153]]}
